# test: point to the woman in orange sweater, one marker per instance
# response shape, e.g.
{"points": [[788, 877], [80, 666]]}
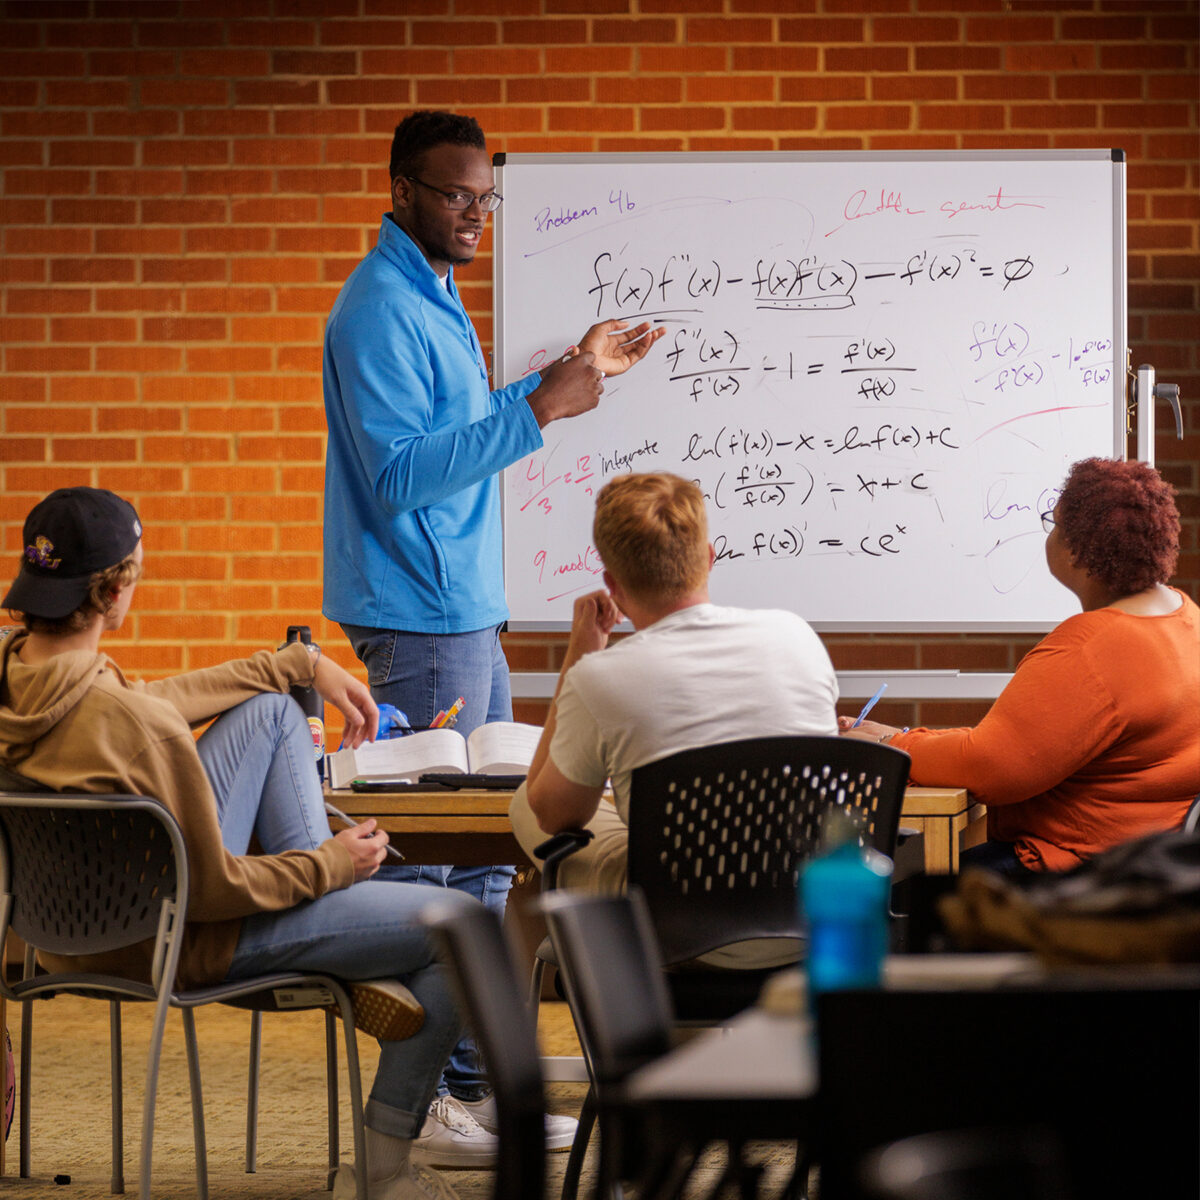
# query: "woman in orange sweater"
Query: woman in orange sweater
{"points": [[1096, 738]]}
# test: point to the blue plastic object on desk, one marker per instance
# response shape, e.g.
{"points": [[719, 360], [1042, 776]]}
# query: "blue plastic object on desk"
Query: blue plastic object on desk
{"points": [[844, 902], [392, 722]]}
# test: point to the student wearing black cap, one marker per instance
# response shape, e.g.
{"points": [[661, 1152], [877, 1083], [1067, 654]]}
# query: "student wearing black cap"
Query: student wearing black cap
{"points": [[71, 721]]}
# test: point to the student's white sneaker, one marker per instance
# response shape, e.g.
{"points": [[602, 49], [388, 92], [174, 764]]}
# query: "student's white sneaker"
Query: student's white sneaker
{"points": [[451, 1137], [560, 1131]]}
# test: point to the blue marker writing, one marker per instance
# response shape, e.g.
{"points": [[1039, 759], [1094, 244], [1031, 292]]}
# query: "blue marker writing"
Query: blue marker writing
{"points": [[870, 704]]}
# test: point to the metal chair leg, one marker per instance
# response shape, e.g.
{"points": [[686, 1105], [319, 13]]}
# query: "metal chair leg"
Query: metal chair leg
{"points": [[331, 1092], [193, 1060], [255, 1058], [356, 1102], [153, 1056], [583, 1134], [117, 1075]]}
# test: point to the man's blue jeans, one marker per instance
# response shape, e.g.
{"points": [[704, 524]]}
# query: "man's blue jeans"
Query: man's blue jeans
{"points": [[421, 674], [258, 757]]}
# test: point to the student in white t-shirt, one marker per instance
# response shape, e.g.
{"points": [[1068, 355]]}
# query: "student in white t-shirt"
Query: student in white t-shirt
{"points": [[692, 674]]}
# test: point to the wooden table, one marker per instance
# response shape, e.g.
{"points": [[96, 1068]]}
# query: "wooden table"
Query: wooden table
{"points": [[471, 828]]}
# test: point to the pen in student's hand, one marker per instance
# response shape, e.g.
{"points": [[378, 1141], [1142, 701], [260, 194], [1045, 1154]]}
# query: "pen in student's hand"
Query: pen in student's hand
{"points": [[870, 704], [341, 816]]}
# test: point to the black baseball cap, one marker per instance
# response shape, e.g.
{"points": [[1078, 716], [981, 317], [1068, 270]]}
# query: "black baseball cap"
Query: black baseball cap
{"points": [[68, 537]]}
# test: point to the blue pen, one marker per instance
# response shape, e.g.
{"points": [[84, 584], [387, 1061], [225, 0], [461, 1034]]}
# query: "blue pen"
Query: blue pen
{"points": [[870, 704]]}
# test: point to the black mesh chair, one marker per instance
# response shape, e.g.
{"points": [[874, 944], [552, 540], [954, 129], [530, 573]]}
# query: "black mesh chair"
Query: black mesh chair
{"points": [[92, 874], [718, 836], [614, 982], [473, 943]]}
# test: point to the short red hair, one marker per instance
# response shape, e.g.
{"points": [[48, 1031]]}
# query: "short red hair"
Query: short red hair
{"points": [[1120, 523]]}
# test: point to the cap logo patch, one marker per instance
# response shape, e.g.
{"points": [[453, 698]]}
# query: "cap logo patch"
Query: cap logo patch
{"points": [[39, 554]]}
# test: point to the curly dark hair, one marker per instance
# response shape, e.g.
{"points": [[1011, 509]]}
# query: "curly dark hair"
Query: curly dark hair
{"points": [[1120, 523], [421, 131]]}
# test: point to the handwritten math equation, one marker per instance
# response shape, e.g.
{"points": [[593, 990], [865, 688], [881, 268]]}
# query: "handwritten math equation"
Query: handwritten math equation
{"points": [[677, 282]]}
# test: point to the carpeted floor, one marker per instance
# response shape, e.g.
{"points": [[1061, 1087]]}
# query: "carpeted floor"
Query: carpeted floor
{"points": [[70, 1092]]}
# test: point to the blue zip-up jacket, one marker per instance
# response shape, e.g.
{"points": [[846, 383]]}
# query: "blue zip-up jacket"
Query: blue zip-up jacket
{"points": [[416, 438]]}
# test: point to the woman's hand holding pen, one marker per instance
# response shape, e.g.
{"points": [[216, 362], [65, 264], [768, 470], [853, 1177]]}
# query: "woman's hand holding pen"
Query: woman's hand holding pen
{"points": [[367, 846], [868, 731]]}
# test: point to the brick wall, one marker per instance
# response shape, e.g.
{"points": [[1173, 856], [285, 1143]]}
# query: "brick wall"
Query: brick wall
{"points": [[186, 183]]}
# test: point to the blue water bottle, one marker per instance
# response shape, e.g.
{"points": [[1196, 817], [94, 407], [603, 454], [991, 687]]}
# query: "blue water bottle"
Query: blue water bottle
{"points": [[844, 904]]}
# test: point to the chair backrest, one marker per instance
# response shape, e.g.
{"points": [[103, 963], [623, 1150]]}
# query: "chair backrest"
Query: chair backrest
{"points": [[90, 874], [613, 976], [718, 835], [473, 943]]}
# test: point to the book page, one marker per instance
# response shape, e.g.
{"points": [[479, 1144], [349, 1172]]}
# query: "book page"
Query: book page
{"points": [[408, 758], [502, 748]]}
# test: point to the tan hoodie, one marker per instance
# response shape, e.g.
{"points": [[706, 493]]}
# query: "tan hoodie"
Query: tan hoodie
{"points": [[75, 724]]}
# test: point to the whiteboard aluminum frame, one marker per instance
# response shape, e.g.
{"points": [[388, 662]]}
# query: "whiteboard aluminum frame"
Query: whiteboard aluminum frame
{"points": [[1120, 428]]}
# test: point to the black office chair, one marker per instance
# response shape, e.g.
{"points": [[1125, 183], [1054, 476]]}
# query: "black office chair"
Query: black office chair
{"points": [[473, 943], [994, 1163], [718, 836], [90, 874], [612, 974]]}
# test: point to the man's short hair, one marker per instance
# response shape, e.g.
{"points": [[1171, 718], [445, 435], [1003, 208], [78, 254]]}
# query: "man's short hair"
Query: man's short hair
{"points": [[421, 131], [651, 532]]}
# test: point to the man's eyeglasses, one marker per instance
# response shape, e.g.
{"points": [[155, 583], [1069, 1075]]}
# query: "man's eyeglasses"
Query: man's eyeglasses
{"points": [[461, 201], [1048, 520]]}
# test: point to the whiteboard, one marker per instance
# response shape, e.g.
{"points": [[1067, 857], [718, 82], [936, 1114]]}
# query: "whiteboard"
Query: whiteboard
{"points": [[878, 368]]}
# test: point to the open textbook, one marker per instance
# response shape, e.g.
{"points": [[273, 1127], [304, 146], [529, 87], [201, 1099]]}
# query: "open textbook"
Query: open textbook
{"points": [[500, 748]]}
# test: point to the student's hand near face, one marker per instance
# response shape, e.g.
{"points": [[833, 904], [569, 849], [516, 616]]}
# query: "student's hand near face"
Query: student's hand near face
{"points": [[351, 698], [593, 619], [366, 845], [616, 347]]}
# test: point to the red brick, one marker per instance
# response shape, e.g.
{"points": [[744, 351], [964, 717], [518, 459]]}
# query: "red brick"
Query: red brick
{"points": [[229, 358], [131, 64], [274, 270], [22, 270], [225, 62], [868, 116], [229, 182], [139, 299], [277, 331], [618, 60], [91, 270], [958, 58], [39, 300], [718, 31], [465, 93], [1008, 87], [181, 33], [146, 124], [314, 299], [553, 32], [193, 152], [183, 93], [226, 122], [813, 88], [47, 241], [231, 239], [786, 117], [365, 33], [425, 61], [593, 118], [44, 124], [1052, 116], [300, 358], [1006, 29], [40, 479], [960, 116], [41, 64], [279, 93], [93, 389], [866, 58], [94, 449], [227, 300], [19, 181], [318, 63], [683, 117], [463, 33], [43, 420], [22, 329], [93, 330], [730, 89], [23, 449], [187, 450], [321, 240], [271, 33], [507, 62], [183, 329]]}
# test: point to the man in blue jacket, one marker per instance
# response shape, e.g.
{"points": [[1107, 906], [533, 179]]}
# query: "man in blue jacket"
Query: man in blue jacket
{"points": [[413, 569]]}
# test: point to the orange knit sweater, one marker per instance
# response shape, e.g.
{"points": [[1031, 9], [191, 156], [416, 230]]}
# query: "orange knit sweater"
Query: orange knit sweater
{"points": [[1095, 740]]}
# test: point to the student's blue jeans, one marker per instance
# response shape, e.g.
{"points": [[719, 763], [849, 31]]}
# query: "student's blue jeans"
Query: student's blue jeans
{"points": [[258, 757], [421, 674]]}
